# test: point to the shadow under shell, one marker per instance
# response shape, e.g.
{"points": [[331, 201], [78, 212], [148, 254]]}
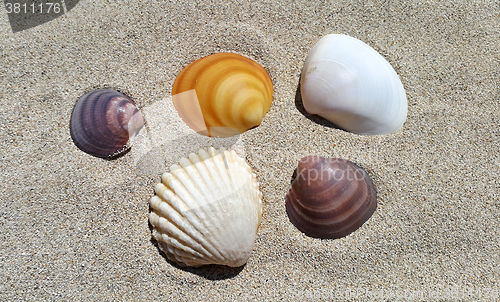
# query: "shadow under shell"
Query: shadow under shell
{"points": [[330, 197]]}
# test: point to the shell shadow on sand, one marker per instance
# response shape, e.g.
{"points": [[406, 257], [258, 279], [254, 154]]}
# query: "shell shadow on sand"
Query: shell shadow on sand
{"points": [[210, 272]]}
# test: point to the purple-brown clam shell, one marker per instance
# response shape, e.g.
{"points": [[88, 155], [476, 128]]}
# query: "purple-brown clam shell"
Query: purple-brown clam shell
{"points": [[330, 197], [104, 122]]}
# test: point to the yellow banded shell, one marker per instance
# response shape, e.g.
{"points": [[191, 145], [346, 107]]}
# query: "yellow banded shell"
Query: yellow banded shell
{"points": [[223, 94]]}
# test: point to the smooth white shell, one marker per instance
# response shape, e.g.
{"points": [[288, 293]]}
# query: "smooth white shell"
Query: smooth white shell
{"points": [[350, 84], [207, 210]]}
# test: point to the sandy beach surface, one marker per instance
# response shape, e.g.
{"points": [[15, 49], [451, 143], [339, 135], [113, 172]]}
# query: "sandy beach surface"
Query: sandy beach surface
{"points": [[75, 228]]}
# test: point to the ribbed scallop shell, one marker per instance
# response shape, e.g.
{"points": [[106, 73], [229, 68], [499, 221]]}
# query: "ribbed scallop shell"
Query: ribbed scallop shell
{"points": [[330, 197], [348, 83], [207, 210], [223, 94], [104, 122]]}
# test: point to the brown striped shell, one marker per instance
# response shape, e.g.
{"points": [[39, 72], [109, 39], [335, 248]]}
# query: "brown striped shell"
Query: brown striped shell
{"points": [[104, 122], [223, 94], [330, 197]]}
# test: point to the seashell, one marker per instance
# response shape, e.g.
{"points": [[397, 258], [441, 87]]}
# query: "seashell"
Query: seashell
{"points": [[350, 84], [207, 210], [223, 94], [104, 122], [330, 197]]}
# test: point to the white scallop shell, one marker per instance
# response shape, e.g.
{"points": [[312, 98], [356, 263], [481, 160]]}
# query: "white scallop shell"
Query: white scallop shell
{"points": [[350, 84], [207, 210]]}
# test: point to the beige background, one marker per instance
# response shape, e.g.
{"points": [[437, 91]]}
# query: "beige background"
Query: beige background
{"points": [[74, 227]]}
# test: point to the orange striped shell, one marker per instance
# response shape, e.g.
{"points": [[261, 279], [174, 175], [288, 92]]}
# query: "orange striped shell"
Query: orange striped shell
{"points": [[223, 94]]}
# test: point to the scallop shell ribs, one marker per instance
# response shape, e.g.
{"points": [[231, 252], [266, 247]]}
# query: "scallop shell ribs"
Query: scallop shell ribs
{"points": [[207, 210]]}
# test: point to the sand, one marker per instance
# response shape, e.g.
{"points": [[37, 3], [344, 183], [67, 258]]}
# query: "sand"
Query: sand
{"points": [[75, 227]]}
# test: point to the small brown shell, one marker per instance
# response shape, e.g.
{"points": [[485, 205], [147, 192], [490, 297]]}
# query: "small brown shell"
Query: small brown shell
{"points": [[330, 197], [104, 122]]}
